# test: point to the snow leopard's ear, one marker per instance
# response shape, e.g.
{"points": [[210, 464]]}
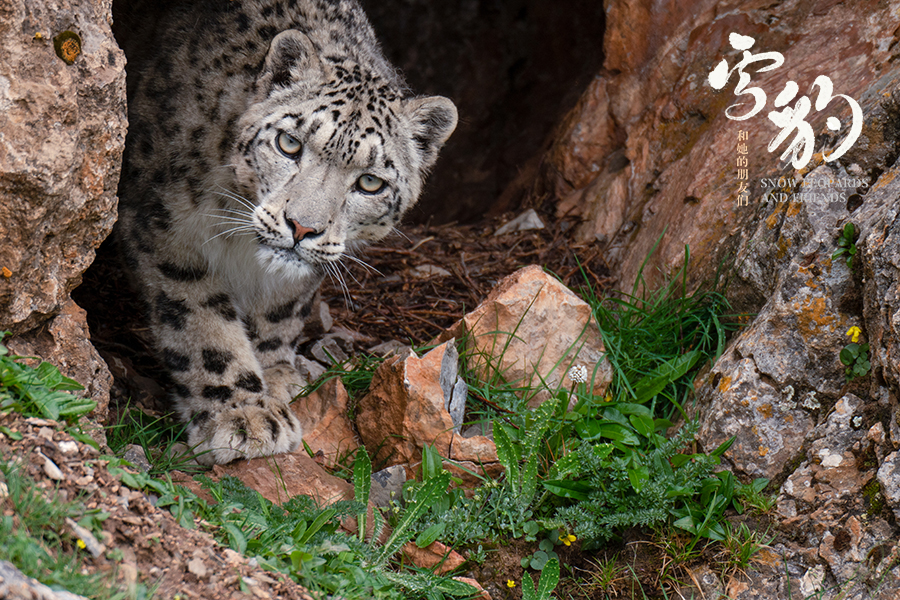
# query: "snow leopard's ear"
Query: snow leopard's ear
{"points": [[291, 54], [433, 119]]}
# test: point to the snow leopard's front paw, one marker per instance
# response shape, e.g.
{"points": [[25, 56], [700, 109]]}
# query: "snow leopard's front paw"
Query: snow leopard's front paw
{"points": [[267, 427]]}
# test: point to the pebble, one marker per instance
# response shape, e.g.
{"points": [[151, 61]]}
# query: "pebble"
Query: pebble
{"points": [[198, 568], [51, 470], [68, 447]]}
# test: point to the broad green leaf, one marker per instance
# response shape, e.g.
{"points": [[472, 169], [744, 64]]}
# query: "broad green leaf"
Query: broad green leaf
{"points": [[644, 425], [849, 232], [432, 462], [568, 489], [236, 538], [318, 522], [638, 477], [549, 579], [661, 376], [427, 537]]}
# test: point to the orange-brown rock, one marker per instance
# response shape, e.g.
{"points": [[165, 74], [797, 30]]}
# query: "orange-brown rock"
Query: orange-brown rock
{"points": [[532, 329], [281, 477], [326, 424], [63, 132], [648, 151], [435, 556], [406, 409]]}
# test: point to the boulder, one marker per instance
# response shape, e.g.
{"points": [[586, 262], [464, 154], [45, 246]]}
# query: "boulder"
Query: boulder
{"points": [[436, 556], [648, 151], [783, 370], [409, 406], [530, 330], [63, 118]]}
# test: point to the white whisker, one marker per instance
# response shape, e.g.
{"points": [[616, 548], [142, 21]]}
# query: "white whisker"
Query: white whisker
{"points": [[364, 265], [224, 219], [401, 234], [240, 230]]}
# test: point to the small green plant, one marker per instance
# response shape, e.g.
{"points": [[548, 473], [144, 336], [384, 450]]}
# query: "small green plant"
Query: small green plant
{"points": [[159, 437], [847, 244], [753, 496], [546, 584], [855, 357], [40, 391], [545, 553], [740, 545], [605, 577]]}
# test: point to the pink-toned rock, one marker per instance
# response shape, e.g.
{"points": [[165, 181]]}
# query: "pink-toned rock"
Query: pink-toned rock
{"points": [[532, 329], [281, 477], [407, 408], [63, 132], [435, 556], [65, 342], [483, 594], [326, 425]]}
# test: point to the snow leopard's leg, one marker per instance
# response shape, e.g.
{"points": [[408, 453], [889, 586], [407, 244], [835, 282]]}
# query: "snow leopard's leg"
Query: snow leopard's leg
{"points": [[233, 388]]}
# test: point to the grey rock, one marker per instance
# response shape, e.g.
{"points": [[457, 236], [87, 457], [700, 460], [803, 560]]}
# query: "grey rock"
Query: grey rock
{"points": [[889, 478], [14, 584], [527, 221], [454, 388], [387, 485], [332, 349], [309, 369], [135, 455], [390, 348]]}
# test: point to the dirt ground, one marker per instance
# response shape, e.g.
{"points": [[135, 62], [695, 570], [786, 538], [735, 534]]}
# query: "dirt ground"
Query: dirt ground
{"points": [[156, 551]]}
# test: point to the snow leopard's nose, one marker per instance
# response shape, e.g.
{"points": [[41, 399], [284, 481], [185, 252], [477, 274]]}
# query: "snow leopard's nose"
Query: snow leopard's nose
{"points": [[300, 232]]}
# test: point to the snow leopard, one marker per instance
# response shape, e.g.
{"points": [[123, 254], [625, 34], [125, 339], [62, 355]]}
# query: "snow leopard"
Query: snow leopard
{"points": [[268, 140]]}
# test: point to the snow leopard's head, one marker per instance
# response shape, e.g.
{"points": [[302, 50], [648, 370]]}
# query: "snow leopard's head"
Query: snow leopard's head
{"points": [[332, 152]]}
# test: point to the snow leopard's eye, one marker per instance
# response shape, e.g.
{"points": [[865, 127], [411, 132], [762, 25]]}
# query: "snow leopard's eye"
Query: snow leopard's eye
{"points": [[370, 184], [288, 144]]}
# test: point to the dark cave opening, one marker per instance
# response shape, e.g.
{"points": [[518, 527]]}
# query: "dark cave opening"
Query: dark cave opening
{"points": [[513, 68]]}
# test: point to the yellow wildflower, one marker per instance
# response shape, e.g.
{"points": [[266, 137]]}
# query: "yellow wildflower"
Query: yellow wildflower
{"points": [[510, 583], [854, 331], [81, 544], [567, 539]]}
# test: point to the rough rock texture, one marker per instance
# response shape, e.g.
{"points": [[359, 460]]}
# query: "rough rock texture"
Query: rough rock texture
{"points": [[326, 425], [63, 131], [281, 477], [649, 148], [829, 502], [407, 407], [532, 329], [66, 342], [781, 371]]}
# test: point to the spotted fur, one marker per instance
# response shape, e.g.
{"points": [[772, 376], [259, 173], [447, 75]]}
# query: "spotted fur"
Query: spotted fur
{"points": [[228, 232]]}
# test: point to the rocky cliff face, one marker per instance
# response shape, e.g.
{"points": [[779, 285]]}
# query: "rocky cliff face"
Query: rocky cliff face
{"points": [[62, 132], [649, 154]]}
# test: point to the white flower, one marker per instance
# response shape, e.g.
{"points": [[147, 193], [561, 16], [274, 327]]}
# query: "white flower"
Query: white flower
{"points": [[578, 374]]}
